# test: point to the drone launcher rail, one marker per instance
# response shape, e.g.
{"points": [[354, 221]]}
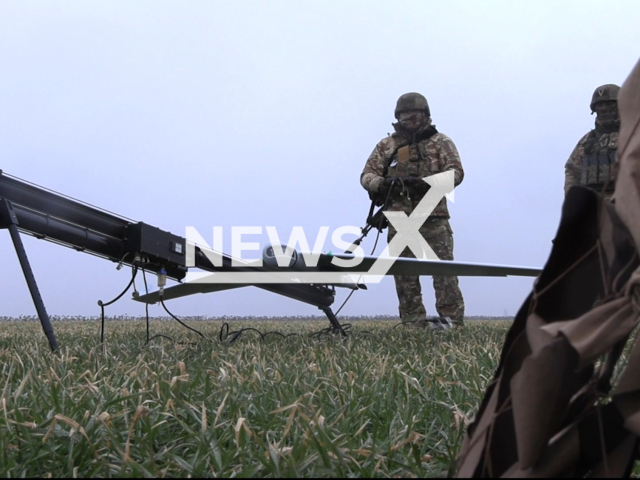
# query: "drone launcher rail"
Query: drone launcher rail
{"points": [[54, 217], [44, 214]]}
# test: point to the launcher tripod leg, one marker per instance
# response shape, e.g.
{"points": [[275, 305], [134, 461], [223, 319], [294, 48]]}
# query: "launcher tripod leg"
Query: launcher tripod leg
{"points": [[334, 320], [12, 225]]}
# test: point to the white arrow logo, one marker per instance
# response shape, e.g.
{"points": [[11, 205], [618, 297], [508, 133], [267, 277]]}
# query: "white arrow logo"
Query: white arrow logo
{"points": [[407, 226]]}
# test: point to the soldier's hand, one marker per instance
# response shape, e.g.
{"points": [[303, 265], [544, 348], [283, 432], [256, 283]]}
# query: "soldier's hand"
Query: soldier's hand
{"points": [[411, 181], [388, 182], [416, 184]]}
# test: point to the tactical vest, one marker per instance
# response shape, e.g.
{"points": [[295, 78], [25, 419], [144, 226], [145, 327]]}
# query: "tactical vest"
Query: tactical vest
{"points": [[598, 160], [414, 160]]}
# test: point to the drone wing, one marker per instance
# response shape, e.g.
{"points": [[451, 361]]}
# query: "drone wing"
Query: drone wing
{"points": [[348, 274], [412, 266], [186, 289]]}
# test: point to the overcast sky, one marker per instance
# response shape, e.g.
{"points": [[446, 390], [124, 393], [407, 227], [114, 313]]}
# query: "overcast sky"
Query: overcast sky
{"points": [[263, 113]]}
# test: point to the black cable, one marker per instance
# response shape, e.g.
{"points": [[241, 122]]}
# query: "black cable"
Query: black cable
{"points": [[344, 303], [102, 305], [366, 231], [332, 331], [225, 334], [146, 311], [180, 321], [146, 305], [149, 338], [352, 291], [376, 242], [224, 330]]}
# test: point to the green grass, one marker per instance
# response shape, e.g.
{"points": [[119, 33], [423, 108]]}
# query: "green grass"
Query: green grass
{"points": [[391, 402]]}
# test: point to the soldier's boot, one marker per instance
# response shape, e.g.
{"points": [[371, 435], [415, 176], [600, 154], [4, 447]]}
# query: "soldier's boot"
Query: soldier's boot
{"points": [[449, 301], [440, 323], [414, 320], [454, 316]]}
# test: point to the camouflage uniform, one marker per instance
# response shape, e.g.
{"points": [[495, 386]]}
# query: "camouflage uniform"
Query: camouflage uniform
{"points": [[593, 161], [426, 153]]}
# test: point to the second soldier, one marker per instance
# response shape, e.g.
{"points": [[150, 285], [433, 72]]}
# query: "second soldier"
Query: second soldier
{"points": [[592, 162]]}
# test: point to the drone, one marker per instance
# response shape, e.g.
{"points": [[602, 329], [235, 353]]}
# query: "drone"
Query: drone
{"points": [[48, 215]]}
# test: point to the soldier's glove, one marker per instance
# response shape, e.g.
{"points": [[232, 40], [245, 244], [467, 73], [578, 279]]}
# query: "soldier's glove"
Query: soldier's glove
{"points": [[410, 181], [393, 183], [388, 182], [416, 184]]}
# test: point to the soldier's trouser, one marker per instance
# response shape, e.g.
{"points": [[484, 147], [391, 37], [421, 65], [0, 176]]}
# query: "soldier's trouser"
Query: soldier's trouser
{"points": [[449, 302]]}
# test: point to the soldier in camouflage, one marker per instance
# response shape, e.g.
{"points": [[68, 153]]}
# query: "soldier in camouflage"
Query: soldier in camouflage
{"points": [[396, 168], [592, 162]]}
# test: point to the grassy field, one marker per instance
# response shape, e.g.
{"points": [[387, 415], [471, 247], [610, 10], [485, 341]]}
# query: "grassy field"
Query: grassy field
{"points": [[384, 402]]}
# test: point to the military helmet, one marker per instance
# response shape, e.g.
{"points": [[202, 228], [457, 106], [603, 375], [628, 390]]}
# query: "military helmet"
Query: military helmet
{"points": [[604, 93], [412, 101]]}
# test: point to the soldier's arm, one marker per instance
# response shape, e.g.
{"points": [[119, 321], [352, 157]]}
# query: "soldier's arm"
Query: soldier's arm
{"points": [[373, 174], [450, 158], [573, 167]]}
